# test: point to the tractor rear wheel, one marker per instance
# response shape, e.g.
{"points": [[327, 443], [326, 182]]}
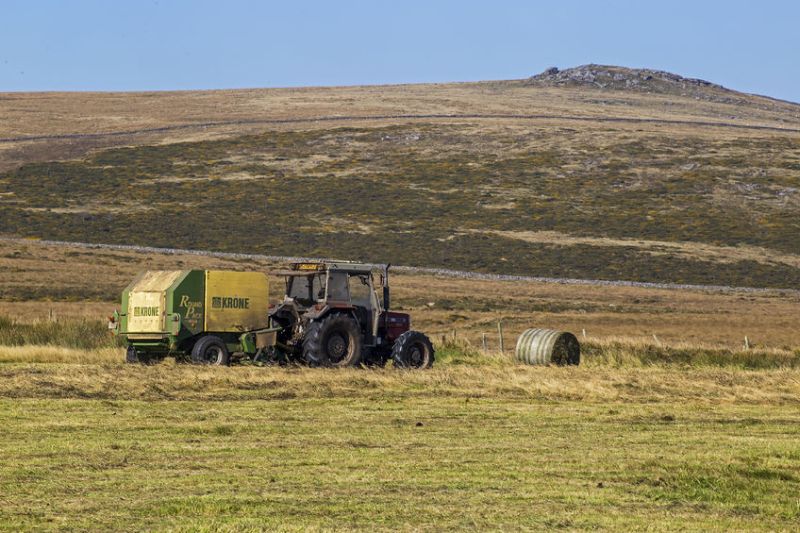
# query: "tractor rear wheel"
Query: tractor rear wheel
{"points": [[210, 350], [333, 341], [413, 349]]}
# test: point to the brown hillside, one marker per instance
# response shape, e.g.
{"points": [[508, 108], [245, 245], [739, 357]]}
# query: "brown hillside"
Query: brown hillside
{"points": [[594, 172]]}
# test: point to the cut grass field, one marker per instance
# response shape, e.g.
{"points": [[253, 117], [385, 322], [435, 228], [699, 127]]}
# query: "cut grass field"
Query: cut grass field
{"points": [[396, 464], [639, 436], [486, 445]]}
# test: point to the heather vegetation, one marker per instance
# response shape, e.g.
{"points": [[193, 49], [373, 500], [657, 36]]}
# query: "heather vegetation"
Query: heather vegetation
{"points": [[440, 195]]}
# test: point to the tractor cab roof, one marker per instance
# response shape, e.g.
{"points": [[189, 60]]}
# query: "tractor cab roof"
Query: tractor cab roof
{"points": [[317, 267]]}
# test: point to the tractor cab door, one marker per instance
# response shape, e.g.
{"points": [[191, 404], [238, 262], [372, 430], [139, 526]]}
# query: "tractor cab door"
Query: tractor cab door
{"points": [[337, 289], [364, 299]]}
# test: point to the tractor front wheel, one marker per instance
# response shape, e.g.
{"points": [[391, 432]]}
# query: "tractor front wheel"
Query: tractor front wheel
{"points": [[333, 341], [210, 350], [413, 349]]}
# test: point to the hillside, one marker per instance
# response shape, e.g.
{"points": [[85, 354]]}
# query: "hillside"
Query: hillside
{"points": [[605, 175]]}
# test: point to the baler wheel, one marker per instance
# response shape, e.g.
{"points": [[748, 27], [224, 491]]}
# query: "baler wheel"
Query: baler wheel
{"points": [[371, 360], [333, 341], [413, 349], [133, 357], [210, 350]]}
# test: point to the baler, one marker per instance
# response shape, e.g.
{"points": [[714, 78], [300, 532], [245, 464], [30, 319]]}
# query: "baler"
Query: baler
{"points": [[206, 315]]}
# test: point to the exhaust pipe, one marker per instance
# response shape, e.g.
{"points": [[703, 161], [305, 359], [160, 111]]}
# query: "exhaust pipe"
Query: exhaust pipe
{"points": [[386, 287]]}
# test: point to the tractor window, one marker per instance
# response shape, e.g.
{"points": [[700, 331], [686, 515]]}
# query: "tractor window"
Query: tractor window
{"points": [[337, 287], [306, 289], [360, 290]]}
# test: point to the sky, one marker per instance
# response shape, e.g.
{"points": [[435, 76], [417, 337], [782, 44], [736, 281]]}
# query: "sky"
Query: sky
{"points": [[126, 45]]}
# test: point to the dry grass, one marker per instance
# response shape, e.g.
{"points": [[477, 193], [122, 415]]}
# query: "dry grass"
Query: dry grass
{"points": [[80, 359], [104, 379], [33, 114], [628, 352], [32, 353], [709, 252], [31, 273]]}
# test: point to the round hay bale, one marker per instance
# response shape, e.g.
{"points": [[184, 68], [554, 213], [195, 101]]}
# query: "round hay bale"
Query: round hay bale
{"points": [[547, 346]]}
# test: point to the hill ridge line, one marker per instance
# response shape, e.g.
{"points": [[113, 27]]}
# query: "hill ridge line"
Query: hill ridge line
{"points": [[460, 274], [354, 118]]}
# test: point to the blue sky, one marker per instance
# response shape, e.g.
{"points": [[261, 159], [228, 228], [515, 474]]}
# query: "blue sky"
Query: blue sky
{"points": [[182, 44]]}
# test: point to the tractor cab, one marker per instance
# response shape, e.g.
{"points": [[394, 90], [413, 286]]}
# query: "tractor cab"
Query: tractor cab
{"points": [[315, 289]]}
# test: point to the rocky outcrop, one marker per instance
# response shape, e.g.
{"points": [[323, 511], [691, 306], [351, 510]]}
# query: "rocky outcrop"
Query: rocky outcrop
{"points": [[621, 78]]}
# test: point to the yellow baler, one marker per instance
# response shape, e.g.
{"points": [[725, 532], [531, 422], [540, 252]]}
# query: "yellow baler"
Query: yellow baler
{"points": [[206, 315]]}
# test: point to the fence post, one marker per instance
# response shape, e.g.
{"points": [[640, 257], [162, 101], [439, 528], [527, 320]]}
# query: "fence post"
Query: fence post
{"points": [[500, 334]]}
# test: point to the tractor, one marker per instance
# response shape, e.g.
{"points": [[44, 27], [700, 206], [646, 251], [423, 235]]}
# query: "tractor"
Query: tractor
{"points": [[332, 315]]}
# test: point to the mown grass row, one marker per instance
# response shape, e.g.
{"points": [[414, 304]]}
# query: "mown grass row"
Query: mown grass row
{"points": [[63, 341]]}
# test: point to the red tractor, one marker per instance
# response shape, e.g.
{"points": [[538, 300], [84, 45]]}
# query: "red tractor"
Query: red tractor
{"points": [[332, 315]]}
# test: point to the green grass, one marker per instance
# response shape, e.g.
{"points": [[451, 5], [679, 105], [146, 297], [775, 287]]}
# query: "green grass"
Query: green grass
{"points": [[390, 463], [417, 199]]}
